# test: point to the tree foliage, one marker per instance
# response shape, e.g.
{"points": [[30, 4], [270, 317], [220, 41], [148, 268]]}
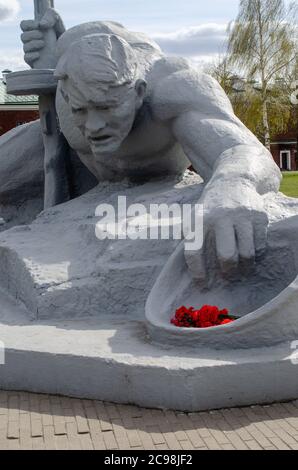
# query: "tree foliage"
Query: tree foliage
{"points": [[246, 99], [262, 46]]}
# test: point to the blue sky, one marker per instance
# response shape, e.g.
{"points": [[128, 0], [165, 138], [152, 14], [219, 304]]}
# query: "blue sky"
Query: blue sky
{"points": [[192, 28]]}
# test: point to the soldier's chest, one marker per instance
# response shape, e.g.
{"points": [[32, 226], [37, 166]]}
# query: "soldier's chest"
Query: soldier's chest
{"points": [[147, 138]]}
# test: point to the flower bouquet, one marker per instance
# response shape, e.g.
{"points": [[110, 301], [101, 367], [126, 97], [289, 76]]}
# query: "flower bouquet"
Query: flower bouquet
{"points": [[206, 317]]}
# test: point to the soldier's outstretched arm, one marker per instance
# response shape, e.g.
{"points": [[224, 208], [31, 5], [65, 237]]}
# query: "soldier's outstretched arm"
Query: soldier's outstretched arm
{"points": [[237, 168]]}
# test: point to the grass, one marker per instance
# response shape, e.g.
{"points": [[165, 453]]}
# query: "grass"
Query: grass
{"points": [[289, 184]]}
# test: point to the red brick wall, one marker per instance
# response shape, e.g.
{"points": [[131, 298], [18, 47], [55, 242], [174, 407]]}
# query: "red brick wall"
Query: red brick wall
{"points": [[11, 119]]}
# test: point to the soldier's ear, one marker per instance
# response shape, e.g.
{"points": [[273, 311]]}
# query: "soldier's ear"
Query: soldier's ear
{"points": [[141, 87]]}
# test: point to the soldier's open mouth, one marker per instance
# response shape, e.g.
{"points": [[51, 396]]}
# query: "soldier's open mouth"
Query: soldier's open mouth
{"points": [[101, 139]]}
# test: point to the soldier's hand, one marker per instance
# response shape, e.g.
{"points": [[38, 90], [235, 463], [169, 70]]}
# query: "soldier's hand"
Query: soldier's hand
{"points": [[235, 230], [33, 36]]}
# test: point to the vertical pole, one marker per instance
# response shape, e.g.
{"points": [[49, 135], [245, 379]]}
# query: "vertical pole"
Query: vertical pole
{"points": [[48, 59], [56, 188], [41, 6]]}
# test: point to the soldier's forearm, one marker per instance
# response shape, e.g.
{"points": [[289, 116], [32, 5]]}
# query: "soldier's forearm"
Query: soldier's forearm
{"points": [[252, 164], [223, 148]]}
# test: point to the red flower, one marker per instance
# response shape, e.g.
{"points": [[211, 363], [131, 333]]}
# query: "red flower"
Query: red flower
{"points": [[227, 321], [206, 317], [224, 312]]}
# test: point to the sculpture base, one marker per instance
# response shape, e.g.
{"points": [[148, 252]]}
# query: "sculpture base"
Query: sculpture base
{"points": [[78, 327], [112, 360]]}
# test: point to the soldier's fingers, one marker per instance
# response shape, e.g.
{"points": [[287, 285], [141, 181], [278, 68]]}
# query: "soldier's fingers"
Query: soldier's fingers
{"points": [[33, 46], [31, 57], [31, 36], [29, 25], [245, 239], [226, 247], [194, 247], [52, 19], [261, 234]]}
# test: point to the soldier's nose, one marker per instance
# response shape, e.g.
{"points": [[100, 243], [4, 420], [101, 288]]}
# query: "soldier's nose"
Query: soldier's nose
{"points": [[95, 123]]}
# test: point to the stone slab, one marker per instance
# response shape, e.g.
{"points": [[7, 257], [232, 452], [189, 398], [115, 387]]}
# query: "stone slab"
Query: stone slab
{"points": [[112, 359], [58, 267]]}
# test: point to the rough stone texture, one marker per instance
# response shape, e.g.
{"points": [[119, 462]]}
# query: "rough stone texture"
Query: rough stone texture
{"points": [[21, 163], [111, 359], [58, 267], [20, 213], [21, 175]]}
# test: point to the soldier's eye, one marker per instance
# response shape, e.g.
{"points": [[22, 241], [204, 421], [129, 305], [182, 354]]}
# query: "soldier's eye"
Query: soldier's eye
{"points": [[103, 108], [77, 110]]}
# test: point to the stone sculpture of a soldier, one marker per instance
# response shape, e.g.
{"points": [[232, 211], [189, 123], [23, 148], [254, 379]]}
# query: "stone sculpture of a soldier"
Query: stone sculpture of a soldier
{"points": [[130, 112], [89, 315]]}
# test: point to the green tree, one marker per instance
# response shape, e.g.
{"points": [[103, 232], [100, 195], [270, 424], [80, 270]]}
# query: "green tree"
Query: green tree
{"points": [[221, 70], [262, 46]]}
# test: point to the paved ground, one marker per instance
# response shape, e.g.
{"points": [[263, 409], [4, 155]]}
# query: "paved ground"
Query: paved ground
{"points": [[31, 421]]}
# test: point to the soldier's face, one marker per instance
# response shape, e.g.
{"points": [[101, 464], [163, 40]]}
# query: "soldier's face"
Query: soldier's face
{"points": [[104, 115]]}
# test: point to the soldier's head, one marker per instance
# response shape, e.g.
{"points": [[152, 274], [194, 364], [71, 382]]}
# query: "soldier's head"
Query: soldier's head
{"points": [[99, 80]]}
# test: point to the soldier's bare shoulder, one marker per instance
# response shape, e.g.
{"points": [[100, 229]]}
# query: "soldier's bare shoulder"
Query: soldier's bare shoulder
{"points": [[177, 87]]}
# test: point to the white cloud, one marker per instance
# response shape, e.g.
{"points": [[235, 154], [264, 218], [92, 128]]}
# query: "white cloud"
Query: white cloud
{"points": [[201, 44], [9, 9], [12, 60], [202, 40]]}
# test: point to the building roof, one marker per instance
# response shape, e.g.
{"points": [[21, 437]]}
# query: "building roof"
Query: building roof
{"points": [[15, 101]]}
